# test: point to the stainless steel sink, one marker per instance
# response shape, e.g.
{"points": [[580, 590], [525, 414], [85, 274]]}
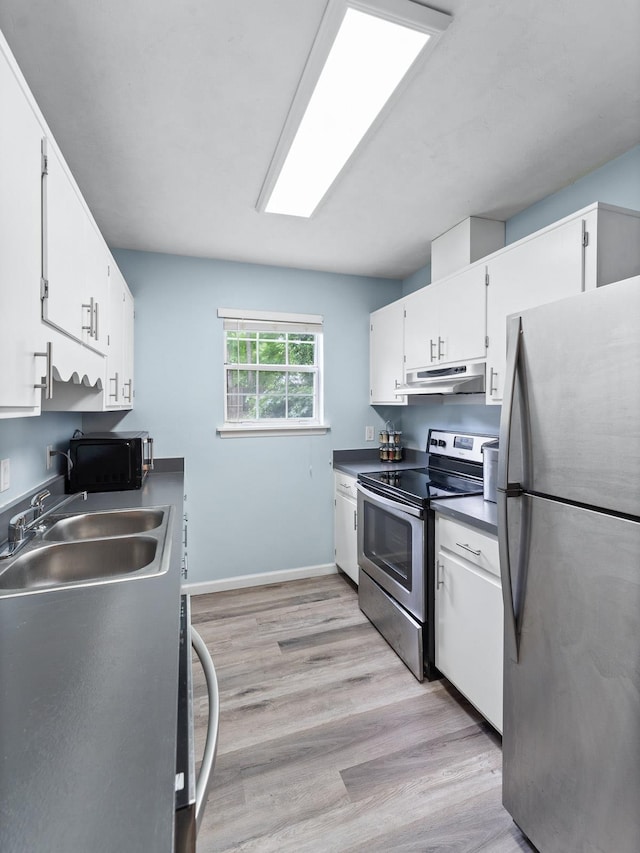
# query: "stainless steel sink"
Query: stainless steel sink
{"points": [[85, 549], [95, 525], [79, 562]]}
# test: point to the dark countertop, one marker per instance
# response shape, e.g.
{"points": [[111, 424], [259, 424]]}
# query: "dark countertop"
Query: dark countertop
{"points": [[366, 461], [88, 703], [472, 510]]}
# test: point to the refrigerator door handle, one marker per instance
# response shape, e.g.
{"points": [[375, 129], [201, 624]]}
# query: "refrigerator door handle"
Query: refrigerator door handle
{"points": [[512, 644], [513, 577], [514, 336]]}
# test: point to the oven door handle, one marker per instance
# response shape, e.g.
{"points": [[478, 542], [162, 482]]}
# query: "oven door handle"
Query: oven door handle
{"points": [[396, 505]]}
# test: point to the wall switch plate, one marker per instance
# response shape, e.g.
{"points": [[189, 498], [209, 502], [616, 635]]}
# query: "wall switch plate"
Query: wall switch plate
{"points": [[368, 433], [49, 457], [5, 474]]}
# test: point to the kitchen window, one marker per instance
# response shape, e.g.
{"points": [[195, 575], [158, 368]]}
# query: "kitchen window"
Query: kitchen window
{"points": [[272, 373]]}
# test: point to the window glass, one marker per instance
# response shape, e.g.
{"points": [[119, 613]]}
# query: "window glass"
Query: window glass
{"points": [[272, 374]]}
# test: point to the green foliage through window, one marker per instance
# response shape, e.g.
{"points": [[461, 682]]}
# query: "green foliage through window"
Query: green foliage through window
{"points": [[271, 376]]}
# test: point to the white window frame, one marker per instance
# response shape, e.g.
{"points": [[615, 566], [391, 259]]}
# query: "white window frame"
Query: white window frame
{"points": [[271, 321]]}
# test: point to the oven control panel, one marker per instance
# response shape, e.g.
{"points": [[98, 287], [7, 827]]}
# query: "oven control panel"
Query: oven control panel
{"points": [[457, 445]]}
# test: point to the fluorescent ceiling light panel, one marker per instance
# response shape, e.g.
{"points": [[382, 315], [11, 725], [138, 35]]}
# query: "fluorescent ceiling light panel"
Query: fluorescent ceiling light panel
{"points": [[366, 61]]}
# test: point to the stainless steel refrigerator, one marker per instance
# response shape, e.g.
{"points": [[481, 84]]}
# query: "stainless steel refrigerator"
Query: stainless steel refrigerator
{"points": [[569, 534]]}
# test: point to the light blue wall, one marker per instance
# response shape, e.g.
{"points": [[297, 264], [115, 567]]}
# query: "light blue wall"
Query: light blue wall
{"points": [[24, 441], [254, 504], [617, 182], [419, 279], [416, 420]]}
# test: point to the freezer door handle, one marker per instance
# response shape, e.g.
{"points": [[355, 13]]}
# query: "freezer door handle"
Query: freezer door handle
{"points": [[514, 337]]}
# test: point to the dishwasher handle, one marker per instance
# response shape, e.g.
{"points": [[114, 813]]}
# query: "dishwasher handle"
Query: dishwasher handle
{"points": [[203, 781]]}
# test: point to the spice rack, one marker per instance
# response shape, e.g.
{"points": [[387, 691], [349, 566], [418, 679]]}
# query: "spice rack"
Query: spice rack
{"points": [[390, 443]]}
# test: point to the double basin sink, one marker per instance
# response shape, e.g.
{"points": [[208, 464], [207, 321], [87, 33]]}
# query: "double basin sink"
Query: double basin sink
{"points": [[88, 548]]}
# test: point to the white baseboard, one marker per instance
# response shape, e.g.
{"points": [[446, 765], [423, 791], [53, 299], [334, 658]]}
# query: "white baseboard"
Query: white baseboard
{"points": [[259, 579]]}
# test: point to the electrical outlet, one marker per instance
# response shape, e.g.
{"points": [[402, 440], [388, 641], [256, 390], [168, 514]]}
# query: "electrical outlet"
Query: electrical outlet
{"points": [[368, 433], [5, 474], [49, 457]]}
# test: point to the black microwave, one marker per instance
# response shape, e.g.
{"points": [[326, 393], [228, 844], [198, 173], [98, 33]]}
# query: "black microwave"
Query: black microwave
{"points": [[109, 461]]}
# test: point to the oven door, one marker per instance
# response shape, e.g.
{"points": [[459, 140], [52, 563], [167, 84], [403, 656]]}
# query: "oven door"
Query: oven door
{"points": [[391, 548]]}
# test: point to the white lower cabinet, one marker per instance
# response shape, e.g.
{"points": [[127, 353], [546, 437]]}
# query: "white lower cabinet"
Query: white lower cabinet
{"points": [[469, 614], [346, 524]]}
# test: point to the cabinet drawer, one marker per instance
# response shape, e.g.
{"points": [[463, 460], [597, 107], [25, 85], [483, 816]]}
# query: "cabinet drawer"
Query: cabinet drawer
{"points": [[471, 544], [345, 484]]}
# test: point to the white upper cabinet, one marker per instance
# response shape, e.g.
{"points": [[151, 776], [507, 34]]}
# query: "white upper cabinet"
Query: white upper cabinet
{"points": [[386, 354], [75, 263], [445, 321], [595, 246], [128, 389], [54, 272], [97, 261], [533, 272], [119, 378], [462, 316], [20, 165], [421, 327]]}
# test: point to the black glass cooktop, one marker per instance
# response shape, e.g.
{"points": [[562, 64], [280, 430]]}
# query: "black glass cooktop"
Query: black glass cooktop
{"points": [[420, 485]]}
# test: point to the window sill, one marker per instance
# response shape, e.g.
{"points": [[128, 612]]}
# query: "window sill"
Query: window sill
{"points": [[252, 431]]}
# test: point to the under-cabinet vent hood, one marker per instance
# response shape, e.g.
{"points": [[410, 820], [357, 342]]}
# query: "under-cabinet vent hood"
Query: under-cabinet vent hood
{"points": [[463, 379]]}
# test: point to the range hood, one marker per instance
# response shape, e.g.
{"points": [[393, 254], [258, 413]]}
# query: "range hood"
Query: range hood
{"points": [[463, 379]]}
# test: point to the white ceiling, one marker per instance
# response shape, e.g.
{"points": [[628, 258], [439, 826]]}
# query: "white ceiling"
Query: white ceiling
{"points": [[168, 113]]}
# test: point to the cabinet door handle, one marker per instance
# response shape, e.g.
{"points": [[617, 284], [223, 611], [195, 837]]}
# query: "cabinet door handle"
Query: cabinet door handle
{"points": [[440, 346], [47, 379], [439, 580], [95, 327], [493, 375], [91, 309], [114, 394], [432, 345], [355, 519], [470, 550]]}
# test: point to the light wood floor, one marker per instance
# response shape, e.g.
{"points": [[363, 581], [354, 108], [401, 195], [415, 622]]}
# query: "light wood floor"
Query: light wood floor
{"points": [[328, 744]]}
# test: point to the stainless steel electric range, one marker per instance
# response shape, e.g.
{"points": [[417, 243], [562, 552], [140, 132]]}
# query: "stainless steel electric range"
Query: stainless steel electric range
{"points": [[396, 542]]}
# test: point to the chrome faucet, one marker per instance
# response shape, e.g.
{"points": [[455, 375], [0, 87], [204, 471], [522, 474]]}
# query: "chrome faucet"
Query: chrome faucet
{"points": [[20, 527]]}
